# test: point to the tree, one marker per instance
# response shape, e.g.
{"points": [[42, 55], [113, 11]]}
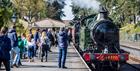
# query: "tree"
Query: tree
{"points": [[54, 10], [29, 8], [5, 12], [78, 11], [122, 9]]}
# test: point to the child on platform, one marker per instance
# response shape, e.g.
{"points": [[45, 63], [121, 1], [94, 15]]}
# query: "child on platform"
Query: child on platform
{"points": [[30, 48]]}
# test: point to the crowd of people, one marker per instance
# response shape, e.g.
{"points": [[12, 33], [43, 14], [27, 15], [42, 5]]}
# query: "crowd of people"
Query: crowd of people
{"points": [[14, 48]]}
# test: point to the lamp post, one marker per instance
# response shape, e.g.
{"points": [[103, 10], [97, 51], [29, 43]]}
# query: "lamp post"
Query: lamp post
{"points": [[14, 18]]}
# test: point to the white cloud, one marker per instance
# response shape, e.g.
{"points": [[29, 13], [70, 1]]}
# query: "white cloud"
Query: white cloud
{"points": [[68, 11]]}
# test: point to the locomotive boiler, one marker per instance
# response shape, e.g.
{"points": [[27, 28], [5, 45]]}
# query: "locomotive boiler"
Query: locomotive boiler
{"points": [[98, 39]]}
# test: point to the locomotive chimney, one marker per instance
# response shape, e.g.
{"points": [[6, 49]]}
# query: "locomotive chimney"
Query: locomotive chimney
{"points": [[103, 13]]}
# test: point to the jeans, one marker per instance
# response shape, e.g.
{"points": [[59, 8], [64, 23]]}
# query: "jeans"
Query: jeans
{"points": [[62, 56], [6, 64], [31, 52], [16, 59]]}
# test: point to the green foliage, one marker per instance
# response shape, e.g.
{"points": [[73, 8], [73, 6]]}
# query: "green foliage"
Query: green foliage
{"points": [[5, 12], [127, 9], [43, 14], [54, 10], [30, 8], [130, 29], [20, 28], [130, 32]]}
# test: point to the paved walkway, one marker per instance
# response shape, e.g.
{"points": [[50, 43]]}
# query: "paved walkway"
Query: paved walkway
{"points": [[73, 62]]}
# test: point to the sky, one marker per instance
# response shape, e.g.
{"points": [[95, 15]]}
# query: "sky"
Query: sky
{"points": [[68, 11], [81, 3]]}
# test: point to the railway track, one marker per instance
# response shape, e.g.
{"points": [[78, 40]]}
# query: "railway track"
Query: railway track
{"points": [[136, 69], [125, 67], [134, 52]]}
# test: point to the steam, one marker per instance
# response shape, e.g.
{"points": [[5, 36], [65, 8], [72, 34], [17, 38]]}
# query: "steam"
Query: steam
{"points": [[94, 4], [50, 1], [68, 11]]}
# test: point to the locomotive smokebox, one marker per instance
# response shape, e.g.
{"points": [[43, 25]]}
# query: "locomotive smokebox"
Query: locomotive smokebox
{"points": [[104, 32]]}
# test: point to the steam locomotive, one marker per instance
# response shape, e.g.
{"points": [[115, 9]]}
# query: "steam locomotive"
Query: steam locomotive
{"points": [[97, 39]]}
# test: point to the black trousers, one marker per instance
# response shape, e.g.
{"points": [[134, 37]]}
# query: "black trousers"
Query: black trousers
{"points": [[45, 49], [6, 64]]}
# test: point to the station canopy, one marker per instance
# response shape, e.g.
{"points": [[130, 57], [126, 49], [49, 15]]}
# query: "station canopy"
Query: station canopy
{"points": [[48, 23]]}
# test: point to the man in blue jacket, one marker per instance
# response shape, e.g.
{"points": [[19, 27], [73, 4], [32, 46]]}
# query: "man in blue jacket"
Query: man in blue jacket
{"points": [[5, 48], [14, 43], [36, 40], [62, 45]]}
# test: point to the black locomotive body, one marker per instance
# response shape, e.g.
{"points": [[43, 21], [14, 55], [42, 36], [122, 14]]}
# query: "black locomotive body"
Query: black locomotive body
{"points": [[98, 40]]}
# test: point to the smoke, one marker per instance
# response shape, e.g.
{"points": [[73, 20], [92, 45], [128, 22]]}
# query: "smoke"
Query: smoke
{"points": [[68, 11], [50, 1], [94, 4]]}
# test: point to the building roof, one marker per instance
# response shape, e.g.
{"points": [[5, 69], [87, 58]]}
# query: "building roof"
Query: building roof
{"points": [[48, 23]]}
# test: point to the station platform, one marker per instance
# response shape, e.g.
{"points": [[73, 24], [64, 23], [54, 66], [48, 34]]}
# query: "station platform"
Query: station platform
{"points": [[130, 44], [134, 57], [73, 62]]}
